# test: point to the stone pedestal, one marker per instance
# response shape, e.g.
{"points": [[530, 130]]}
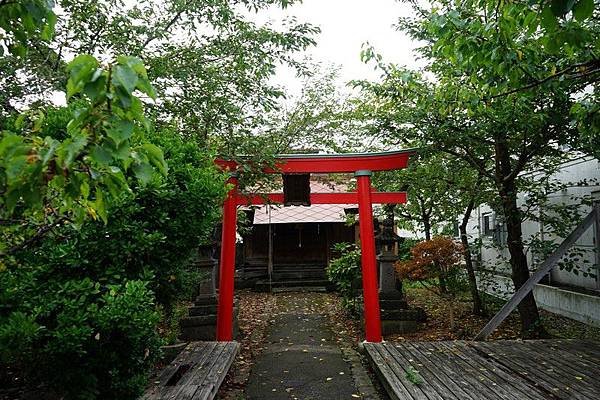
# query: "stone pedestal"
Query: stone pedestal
{"points": [[396, 316], [201, 322]]}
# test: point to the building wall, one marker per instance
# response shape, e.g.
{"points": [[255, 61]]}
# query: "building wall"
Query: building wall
{"points": [[578, 306], [495, 258], [295, 244]]}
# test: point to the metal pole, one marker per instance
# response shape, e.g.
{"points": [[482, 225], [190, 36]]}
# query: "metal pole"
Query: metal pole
{"points": [[227, 267], [368, 261]]}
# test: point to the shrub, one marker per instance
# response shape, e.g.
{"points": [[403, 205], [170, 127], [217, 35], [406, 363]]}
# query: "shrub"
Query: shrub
{"points": [[79, 310], [437, 259], [84, 339], [344, 272]]}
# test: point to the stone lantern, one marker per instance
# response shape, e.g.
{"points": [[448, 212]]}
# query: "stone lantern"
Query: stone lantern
{"points": [[396, 316], [389, 286], [201, 321]]}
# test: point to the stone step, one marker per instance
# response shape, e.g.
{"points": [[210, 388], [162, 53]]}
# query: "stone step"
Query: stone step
{"points": [[202, 310], [297, 275], [205, 300], [198, 320], [263, 285], [304, 289]]}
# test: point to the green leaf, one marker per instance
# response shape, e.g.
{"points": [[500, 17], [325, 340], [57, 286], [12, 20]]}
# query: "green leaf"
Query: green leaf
{"points": [[561, 7], [96, 88], [71, 148], [146, 87], [48, 31], [143, 171], [80, 71], [583, 9], [48, 152], [11, 198], [115, 181], [101, 155], [100, 205], [156, 157], [120, 131], [122, 151], [125, 77], [549, 20]]}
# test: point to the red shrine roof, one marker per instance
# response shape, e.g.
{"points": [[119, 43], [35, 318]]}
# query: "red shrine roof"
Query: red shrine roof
{"points": [[301, 214]]}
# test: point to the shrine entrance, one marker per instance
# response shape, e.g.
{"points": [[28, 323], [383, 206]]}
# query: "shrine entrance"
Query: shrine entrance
{"points": [[296, 170]]}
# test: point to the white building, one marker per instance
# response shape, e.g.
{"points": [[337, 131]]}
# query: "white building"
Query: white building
{"points": [[574, 293]]}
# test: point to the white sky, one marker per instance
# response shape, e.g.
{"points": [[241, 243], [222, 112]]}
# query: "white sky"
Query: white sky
{"points": [[345, 26]]}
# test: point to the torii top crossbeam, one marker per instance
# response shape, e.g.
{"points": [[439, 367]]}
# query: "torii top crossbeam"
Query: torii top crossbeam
{"points": [[362, 165], [332, 163]]}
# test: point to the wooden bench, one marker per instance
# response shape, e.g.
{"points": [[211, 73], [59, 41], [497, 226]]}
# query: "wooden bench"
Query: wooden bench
{"points": [[196, 373]]}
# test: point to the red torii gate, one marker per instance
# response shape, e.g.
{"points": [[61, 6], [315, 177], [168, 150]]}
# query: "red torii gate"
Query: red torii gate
{"points": [[362, 165]]}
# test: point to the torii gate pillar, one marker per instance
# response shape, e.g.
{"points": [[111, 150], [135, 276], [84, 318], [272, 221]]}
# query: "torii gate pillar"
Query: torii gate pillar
{"points": [[227, 264], [368, 261]]}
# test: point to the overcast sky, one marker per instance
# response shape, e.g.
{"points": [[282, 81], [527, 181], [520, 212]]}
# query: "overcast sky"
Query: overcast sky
{"points": [[345, 26]]}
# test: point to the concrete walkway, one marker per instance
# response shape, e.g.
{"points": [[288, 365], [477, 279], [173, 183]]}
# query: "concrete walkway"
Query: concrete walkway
{"points": [[301, 360]]}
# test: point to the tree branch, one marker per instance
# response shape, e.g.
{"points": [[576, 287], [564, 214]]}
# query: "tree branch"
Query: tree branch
{"points": [[594, 64]]}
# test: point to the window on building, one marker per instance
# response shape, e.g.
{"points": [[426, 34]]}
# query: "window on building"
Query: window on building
{"points": [[487, 224]]}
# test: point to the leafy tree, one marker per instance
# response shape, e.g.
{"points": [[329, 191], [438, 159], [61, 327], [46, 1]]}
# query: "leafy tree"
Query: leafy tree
{"points": [[441, 190], [25, 20], [209, 63], [320, 118], [79, 309], [500, 100], [46, 181]]}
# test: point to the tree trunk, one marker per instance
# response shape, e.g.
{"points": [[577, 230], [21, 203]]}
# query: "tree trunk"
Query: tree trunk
{"points": [[426, 227], [477, 305], [531, 325]]}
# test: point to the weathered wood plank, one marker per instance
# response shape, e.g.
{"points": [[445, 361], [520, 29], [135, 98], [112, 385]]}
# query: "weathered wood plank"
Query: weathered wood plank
{"points": [[567, 359], [431, 386], [194, 353], [487, 373], [388, 378], [457, 354], [588, 349], [542, 271], [504, 377], [454, 378], [514, 357], [189, 386], [196, 374], [400, 371], [579, 374], [515, 370], [209, 387]]}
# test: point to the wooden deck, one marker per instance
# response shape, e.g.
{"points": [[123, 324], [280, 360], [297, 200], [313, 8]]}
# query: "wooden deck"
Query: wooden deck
{"points": [[543, 369], [196, 373]]}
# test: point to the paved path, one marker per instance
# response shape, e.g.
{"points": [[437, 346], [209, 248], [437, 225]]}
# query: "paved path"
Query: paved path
{"points": [[301, 360]]}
